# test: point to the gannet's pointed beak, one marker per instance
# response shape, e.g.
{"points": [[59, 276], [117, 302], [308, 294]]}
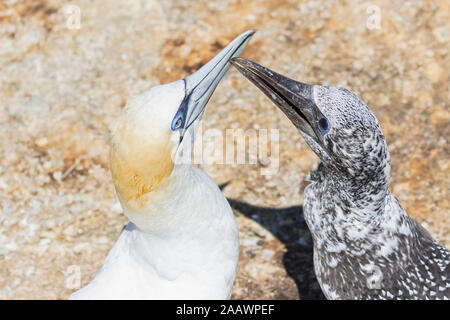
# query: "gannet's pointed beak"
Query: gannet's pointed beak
{"points": [[295, 99], [200, 85]]}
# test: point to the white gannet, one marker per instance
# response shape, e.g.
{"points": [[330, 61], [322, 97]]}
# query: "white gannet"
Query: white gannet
{"points": [[365, 245], [182, 239]]}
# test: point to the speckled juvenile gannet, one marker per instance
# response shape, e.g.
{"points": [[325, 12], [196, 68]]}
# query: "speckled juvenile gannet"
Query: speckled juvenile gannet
{"points": [[365, 244], [182, 241]]}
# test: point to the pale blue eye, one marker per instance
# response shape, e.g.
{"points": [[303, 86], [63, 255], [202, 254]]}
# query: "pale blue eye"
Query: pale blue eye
{"points": [[177, 122]]}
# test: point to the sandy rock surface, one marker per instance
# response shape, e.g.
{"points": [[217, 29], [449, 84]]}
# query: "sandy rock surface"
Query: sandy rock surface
{"points": [[61, 87]]}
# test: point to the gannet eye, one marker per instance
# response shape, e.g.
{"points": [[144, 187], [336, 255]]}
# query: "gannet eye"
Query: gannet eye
{"points": [[324, 124], [177, 122]]}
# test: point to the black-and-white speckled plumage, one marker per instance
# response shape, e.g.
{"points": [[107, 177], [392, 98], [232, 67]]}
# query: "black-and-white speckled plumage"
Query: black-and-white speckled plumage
{"points": [[365, 244]]}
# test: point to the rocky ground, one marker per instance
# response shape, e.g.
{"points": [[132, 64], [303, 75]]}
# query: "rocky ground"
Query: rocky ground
{"points": [[61, 86]]}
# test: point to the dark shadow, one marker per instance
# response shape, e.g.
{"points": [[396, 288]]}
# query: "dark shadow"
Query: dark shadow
{"points": [[289, 226]]}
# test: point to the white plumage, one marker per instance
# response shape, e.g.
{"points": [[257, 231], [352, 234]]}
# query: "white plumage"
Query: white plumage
{"points": [[182, 241], [192, 252]]}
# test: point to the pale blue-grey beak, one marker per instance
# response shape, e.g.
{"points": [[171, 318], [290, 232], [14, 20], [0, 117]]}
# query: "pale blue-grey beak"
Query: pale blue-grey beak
{"points": [[200, 85]]}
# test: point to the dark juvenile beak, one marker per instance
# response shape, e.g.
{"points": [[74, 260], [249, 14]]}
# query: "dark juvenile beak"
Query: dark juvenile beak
{"points": [[294, 98]]}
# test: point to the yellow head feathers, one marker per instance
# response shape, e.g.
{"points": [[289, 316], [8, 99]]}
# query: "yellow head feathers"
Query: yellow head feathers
{"points": [[143, 146], [139, 167]]}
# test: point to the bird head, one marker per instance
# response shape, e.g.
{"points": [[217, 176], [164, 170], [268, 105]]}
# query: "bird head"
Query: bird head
{"points": [[151, 133], [335, 123]]}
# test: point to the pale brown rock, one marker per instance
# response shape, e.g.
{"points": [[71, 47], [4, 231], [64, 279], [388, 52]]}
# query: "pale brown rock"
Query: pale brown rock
{"points": [[61, 88]]}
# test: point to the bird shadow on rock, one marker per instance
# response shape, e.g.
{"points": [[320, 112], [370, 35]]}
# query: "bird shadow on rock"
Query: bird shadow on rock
{"points": [[289, 226]]}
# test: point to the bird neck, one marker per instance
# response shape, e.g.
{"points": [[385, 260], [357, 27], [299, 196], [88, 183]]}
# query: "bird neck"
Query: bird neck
{"points": [[176, 206], [159, 206], [360, 172], [364, 192]]}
